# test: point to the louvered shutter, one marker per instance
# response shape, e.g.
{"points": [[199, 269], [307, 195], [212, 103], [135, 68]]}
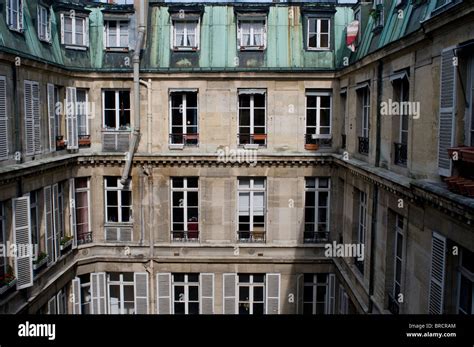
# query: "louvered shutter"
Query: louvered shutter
{"points": [[3, 119], [438, 264], [62, 28], [36, 116], [20, 15], [230, 293], [76, 296], [52, 305], [299, 293], [56, 222], [98, 293], [206, 286], [49, 225], [447, 109], [163, 285], [29, 120], [331, 302], [141, 292], [51, 117], [71, 118], [22, 237], [272, 294], [72, 212]]}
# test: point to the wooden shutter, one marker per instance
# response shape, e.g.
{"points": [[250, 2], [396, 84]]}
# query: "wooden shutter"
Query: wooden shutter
{"points": [[62, 28], [230, 293], [52, 305], [22, 237], [447, 109], [36, 116], [438, 264], [206, 297], [163, 285], [49, 225], [71, 118], [98, 284], [76, 296], [56, 222], [331, 302], [3, 119], [272, 296], [299, 293], [141, 292], [29, 121], [51, 117], [72, 212]]}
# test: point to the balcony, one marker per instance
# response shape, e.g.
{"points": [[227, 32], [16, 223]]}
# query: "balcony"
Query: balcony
{"points": [[252, 140], [184, 139], [363, 145], [401, 150], [83, 238], [115, 140], [255, 236], [185, 235], [312, 142], [315, 236]]}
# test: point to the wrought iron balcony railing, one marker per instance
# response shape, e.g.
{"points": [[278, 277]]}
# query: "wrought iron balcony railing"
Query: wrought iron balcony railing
{"points": [[184, 139], [185, 235], [251, 236], [363, 145], [315, 236], [401, 150], [253, 139]]}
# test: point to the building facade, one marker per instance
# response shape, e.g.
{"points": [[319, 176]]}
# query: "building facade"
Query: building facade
{"points": [[235, 158]]}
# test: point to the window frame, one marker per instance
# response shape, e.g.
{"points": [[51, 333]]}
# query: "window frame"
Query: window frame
{"points": [[251, 284], [121, 283], [118, 127], [399, 231], [318, 109], [317, 190], [197, 34], [185, 190], [184, 113], [46, 35], [252, 190], [18, 13], [186, 284], [119, 188], [85, 113], [118, 34], [82, 190], [314, 299], [85, 31], [380, 21], [318, 33], [251, 19], [252, 109]]}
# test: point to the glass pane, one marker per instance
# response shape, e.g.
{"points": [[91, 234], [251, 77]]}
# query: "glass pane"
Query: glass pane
{"points": [[193, 182], [258, 293], [308, 294], [193, 293], [244, 293]]}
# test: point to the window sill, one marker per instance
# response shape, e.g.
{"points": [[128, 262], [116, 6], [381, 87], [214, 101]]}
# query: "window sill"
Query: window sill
{"points": [[318, 49], [18, 31], [117, 50], [45, 41], [176, 146], [185, 49], [252, 49], [76, 48]]}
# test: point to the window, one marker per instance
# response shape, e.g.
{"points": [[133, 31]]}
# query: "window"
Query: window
{"points": [[318, 33], [252, 117], [361, 224], [4, 131], [54, 118], [57, 304], [75, 30], [470, 96], [316, 213], [398, 262], [15, 15], [3, 240], [185, 34], [44, 24], [466, 283], [251, 33], [116, 109], [315, 294], [185, 214], [82, 113], [121, 293], [363, 96], [252, 210], [251, 291], [185, 293], [378, 15], [117, 34], [85, 288], [401, 95], [318, 118], [34, 218], [59, 208], [184, 118], [32, 117], [343, 96], [118, 201], [81, 204]]}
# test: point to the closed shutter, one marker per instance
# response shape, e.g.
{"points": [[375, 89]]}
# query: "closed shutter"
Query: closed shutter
{"points": [[51, 117], [72, 212], [56, 221], [141, 292], [3, 119], [62, 28], [36, 116], [447, 109], [272, 294], [163, 285], [331, 302], [29, 121], [438, 263], [76, 296], [52, 305], [22, 237], [71, 118], [49, 225], [20, 15], [206, 286], [299, 293], [98, 293], [230, 293], [86, 33]]}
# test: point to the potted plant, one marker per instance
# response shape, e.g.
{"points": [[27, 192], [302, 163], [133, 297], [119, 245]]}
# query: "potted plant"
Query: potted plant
{"points": [[40, 260], [84, 140], [66, 241], [8, 280]]}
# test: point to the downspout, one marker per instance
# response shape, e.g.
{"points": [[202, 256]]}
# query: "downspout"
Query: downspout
{"points": [[148, 85], [136, 89]]}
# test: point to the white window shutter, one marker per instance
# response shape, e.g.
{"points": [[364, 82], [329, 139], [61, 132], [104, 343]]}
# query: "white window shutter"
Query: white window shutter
{"points": [[206, 287], [98, 287], [299, 293], [52, 305], [230, 293], [163, 286], [438, 264], [272, 296], [72, 212], [51, 117], [29, 121], [8, 13], [20, 15], [86, 32], [71, 118], [56, 222], [36, 116], [447, 110], [50, 19], [22, 237], [62, 28], [331, 302], [141, 292], [3, 119], [76, 296], [49, 225]]}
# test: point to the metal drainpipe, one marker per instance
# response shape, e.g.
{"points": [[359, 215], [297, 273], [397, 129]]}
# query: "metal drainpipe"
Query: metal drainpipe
{"points": [[136, 89]]}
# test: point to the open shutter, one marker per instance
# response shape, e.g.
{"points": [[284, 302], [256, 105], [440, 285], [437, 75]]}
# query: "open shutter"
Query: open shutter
{"points": [[438, 264], [71, 118], [22, 237], [331, 302], [98, 293], [86, 32], [52, 305], [72, 212], [230, 293], [49, 225], [447, 109], [3, 119], [76, 296], [299, 293], [141, 292], [272, 294], [62, 28], [29, 121], [206, 286], [56, 222], [163, 285], [51, 117]]}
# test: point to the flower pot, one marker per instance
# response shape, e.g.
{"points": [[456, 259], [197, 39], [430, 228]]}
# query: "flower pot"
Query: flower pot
{"points": [[65, 245], [311, 146], [40, 263]]}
